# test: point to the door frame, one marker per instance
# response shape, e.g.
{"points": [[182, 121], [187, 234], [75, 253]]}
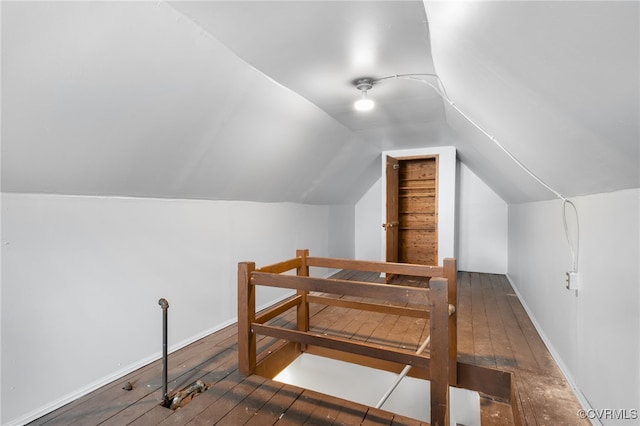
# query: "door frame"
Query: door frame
{"points": [[447, 211], [392, 203]]}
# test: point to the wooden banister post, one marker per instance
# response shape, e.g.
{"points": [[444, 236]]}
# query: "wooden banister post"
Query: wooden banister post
{"points": [[451, 274], [303, 306], [246, 316], [439, 352]]}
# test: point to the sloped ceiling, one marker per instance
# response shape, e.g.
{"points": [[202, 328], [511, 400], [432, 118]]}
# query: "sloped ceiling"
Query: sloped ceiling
{"points": [[556, 82], [252, 100]]}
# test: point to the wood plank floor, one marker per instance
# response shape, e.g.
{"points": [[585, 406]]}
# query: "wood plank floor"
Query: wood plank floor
{"points": [[493, 330]]}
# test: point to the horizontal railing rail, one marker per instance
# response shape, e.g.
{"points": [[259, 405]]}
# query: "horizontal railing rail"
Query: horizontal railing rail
{"points": [[341, 344], [343, 287], [369, 306], [281, 267], [373, 266], [278, 309]]}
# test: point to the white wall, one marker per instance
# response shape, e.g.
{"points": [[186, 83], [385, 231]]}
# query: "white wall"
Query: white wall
{"points": [[341, 231], [594, 332], [482, 226], [368, 222], [81, 279]]}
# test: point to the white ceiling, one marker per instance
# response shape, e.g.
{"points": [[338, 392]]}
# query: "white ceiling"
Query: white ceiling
{"points": [[556, 82], [252, 100]]}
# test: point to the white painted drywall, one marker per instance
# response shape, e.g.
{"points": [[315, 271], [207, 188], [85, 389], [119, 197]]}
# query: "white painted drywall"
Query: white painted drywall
{"points": [[81, 279], [554, 91], [368, 223], [341, 232], [135, 98], [594, 333], [482, 226]]}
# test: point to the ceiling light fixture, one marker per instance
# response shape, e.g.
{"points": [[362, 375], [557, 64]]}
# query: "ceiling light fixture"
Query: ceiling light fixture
{"points": [[364, 103]]}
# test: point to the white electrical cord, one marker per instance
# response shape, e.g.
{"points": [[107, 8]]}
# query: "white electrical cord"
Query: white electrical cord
{"points": [[574, 253], [443, 94]]}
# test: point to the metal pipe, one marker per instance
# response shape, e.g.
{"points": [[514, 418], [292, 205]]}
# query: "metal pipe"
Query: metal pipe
{"points": [[402, 374], [165, 308], [405, 370]]}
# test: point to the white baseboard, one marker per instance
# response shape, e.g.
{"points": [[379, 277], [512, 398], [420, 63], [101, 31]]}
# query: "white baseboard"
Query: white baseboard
{"points": [[70, 397], [554, 354]]}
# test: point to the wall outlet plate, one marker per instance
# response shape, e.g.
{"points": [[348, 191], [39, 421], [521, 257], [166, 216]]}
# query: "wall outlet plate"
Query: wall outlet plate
{"points": [[572, 280]]}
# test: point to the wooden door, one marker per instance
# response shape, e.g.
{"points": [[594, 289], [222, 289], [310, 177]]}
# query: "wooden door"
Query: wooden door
{"points": [[412, 210]]}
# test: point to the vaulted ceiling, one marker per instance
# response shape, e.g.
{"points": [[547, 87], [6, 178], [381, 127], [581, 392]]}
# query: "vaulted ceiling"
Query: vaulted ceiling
{"points": [[253, 100]]}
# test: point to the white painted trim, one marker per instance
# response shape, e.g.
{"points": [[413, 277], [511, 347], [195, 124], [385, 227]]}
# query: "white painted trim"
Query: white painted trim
{"points": [[556, 357], [70, 397]]}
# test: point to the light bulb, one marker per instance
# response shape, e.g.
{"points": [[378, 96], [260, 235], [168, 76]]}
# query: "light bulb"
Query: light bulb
{"points": [[364, 103]]}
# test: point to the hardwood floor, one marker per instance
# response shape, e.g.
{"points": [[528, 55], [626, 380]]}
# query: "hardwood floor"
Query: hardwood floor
{"points": [[493, 330]]}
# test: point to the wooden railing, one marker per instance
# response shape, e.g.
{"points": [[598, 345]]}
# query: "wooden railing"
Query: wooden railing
{"points": [[438, 303]]}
